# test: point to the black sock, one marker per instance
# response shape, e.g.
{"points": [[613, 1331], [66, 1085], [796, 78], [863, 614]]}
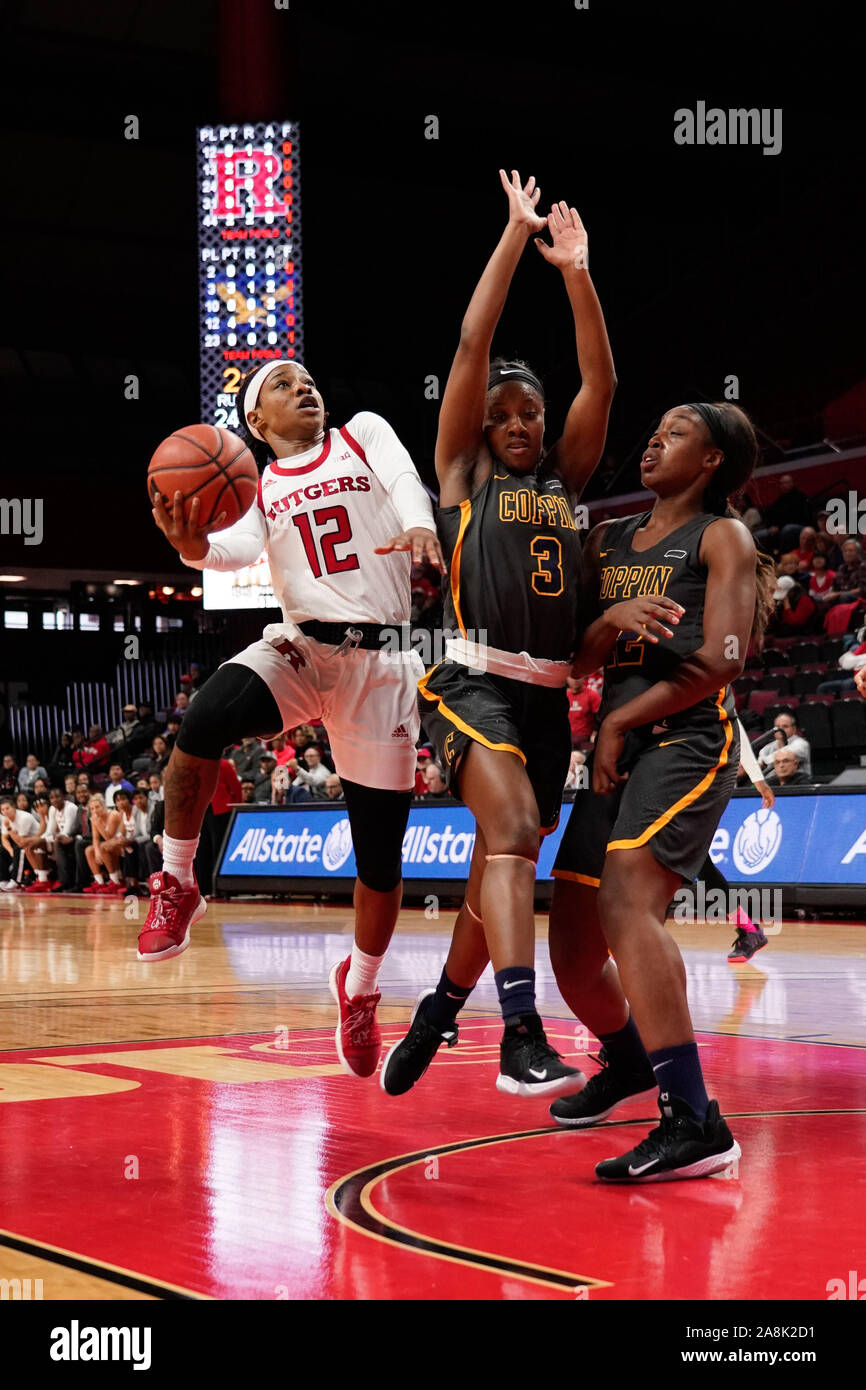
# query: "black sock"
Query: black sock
{"points": [[625, 1050], [516, 988], [678, 1071], [444, 1006]]}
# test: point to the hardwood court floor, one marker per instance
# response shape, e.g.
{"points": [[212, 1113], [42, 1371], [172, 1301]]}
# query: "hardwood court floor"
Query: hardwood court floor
{"points": [[184, 1129]]}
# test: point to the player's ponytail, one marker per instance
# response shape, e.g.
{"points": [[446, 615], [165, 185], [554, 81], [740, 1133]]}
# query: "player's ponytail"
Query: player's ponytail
{"points": [[733, 432]]}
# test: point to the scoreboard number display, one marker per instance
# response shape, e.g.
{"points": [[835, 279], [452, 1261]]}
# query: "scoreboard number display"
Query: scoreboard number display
{"points": [[249, 237], [250, 287]]}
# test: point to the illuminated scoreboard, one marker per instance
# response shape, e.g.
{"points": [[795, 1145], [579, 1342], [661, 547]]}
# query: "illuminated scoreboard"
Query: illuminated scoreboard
{"points": [[249, 257]]}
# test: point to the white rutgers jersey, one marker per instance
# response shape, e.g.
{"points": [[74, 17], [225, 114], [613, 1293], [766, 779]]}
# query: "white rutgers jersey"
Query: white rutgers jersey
{"points": [[320, 516]]}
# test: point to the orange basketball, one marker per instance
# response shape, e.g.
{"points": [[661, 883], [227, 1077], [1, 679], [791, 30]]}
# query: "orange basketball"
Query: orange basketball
{"points": [[209, 463]]}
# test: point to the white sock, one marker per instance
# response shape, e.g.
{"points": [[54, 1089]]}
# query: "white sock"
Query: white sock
{"points": [[177, 858], [42, 875], [115, 878], [97, 878], [363, 973]]}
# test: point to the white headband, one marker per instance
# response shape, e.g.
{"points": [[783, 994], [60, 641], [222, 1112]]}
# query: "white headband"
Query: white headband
{"points": [[253, 391]]}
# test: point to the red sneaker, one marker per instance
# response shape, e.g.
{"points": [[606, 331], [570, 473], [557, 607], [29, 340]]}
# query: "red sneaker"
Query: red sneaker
{"points": [[38, 887], [172, 912], [94, 889], [358, 1039]]}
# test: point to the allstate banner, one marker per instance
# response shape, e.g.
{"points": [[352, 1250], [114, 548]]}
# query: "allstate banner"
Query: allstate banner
{"points": [[803, 839]]}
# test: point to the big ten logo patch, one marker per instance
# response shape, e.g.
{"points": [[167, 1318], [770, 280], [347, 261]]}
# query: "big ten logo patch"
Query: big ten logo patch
{"points": [[84, 1074]]}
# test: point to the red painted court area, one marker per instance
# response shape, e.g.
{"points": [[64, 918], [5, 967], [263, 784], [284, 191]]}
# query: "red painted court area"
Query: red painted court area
{"points": [[237, 1168]]}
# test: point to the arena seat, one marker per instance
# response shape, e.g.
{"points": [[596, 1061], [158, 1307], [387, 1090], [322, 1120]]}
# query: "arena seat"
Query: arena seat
{"points": [[806, 682], [778, 679], [805, 652], [813, 716], [760, 700], [848, 718]]}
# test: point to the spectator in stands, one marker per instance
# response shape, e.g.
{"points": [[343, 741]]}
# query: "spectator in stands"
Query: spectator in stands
{"points": [[93, 752], [267, 763], [827, 541], [156, 791], [333, 788], [41, 787], [302, 737], [786, 566], [196, 677], [116, 780], [247, 758], [24, 801], [788, 735], [120, 737], [181, 705], [805, 550], [852, 660], [749, 514], [280, 788], [70, 781], [37, 852], [156, 760], [145, 732], [17, 828], [583, 706], [61, 759], [784, 519], [281, 749], [148, 857], [576, 778], [795, 610], [64, 823], [172, 729], [105, 852], [8, 774], [435, 780], [423, 756], [821, 580], [83, 779], [849, 583], [311, 773], [30, 771], [786, 770], [248, 791]]}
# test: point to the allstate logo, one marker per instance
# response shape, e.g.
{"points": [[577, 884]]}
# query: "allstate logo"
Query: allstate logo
{"points": [[757, 841], [337, 846]]}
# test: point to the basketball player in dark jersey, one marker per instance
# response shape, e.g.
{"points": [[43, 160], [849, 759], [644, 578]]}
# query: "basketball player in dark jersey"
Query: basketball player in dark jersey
{"points": [[496, 707], [663, 769]]}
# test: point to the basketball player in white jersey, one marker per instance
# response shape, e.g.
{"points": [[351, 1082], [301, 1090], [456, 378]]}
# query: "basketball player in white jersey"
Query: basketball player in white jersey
{"points": [[341, 515]]}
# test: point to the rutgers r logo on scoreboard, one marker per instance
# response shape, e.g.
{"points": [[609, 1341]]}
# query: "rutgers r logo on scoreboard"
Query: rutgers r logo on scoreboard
{"points": [[249, 257]]}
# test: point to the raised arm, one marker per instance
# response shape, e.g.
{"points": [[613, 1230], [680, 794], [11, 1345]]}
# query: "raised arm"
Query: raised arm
{"points": [[729, 609], [461, 417], [576, 454]]}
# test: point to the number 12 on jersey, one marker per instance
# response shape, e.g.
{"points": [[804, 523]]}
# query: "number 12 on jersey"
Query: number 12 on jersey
{"points": [[327, 540]]}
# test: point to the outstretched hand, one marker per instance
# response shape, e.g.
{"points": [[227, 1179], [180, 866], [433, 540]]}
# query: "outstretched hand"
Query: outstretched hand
{"points": [[522, 202], [570, 249], [423, 544]]}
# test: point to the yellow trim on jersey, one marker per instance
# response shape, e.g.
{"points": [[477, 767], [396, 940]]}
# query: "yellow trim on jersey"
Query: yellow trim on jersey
{"points": [[461, 725], [465, 518], [576, 878], [691, 796]]}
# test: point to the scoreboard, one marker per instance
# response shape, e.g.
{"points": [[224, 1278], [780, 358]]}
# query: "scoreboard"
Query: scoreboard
{"points": [[249, 257], [250, 283]]}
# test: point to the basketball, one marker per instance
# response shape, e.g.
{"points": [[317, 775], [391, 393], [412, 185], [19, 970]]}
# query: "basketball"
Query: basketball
{"points": [[209, 463]]}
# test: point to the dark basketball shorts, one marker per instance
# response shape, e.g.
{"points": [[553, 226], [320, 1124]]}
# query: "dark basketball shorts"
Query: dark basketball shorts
{"points": [[680, 781], [460, 707]]}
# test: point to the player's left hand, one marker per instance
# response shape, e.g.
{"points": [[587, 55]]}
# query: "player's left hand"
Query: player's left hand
{"points": [[570, 249], [768, 797], [608, 751], [423, 544], [860, 680]]}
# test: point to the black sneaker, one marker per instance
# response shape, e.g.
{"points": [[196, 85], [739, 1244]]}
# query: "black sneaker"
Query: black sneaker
{"points": [[746, 944], [602, 1094], [529, 1066], [681, 1147], [406, 1062]]}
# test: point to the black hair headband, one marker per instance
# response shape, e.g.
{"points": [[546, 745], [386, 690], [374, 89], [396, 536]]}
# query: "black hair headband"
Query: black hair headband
{"points": [[715, 421], [500, 375]]}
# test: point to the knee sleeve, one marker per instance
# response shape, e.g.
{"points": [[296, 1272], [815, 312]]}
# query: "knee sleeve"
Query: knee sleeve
{"points": [[378, 820], [234, 704]]}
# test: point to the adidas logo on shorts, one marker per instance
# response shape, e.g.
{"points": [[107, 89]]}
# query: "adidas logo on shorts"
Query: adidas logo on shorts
{"points": [[400, 732]]}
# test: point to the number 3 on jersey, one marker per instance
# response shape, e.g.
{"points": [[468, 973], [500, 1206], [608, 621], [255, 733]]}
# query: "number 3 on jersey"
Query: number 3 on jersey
{"points": [[548, 578], [328, 540]]}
